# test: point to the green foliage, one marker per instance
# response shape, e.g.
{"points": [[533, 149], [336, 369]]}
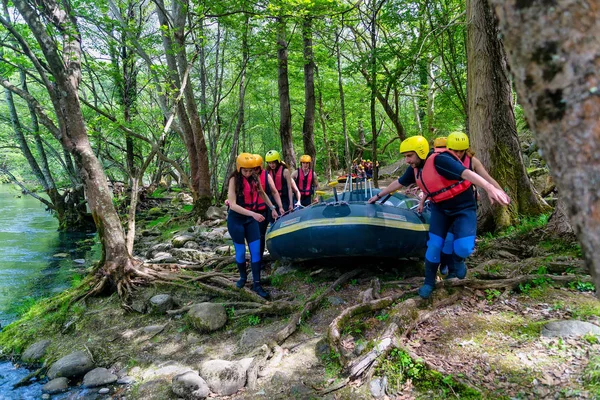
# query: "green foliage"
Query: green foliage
{"points": [[582, 286], [253, 320], [591, 338], [491, 295], [591, 376], [230, 312], [384, 316], [333, 367]]}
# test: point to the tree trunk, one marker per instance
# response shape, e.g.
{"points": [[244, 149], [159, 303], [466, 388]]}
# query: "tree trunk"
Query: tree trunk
{"points": [[492, 125], [323, 119], [283, 87], [558, 224], [308, 128], [373, 24], [66, 72], [553, 53]]}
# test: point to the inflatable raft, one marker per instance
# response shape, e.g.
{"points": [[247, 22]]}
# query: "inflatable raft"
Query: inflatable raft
{"points": [[349, 227]]}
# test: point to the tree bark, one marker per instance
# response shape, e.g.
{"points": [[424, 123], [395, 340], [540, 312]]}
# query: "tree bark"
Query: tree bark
{"points": [[348, 155], [553, 51], [66, 70], [558, 224], [308, 128], [283, 87], [492, 125]]}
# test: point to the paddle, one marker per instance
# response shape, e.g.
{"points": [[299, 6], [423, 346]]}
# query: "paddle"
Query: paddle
{"points": [[333, 185]]}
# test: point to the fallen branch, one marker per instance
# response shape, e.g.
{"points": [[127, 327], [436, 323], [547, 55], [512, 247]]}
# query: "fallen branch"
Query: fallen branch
{"points": [[26, 380]]}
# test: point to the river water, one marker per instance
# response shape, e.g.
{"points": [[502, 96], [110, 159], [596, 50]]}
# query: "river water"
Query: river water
{"points": [[31, 268]]}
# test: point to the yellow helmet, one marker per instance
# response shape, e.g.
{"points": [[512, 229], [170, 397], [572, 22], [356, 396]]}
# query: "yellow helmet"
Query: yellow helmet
{"points": [[258, 160], [458, 141], [440, 142], [418, 144], [305, 158], [272, 155], [245, 160]]}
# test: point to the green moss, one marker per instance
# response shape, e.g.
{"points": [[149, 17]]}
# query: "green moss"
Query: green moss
{"points": [[591, 376]]}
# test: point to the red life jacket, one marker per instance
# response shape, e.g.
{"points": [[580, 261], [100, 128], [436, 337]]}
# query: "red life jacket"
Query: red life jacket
{"points": [[435, 186], [305, 183], [277, 176], [250, 198], [263, 177], [439, 149]]}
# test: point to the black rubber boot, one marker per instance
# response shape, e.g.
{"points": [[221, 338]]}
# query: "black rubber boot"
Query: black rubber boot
{"points": [[256, 278], [446, 263], [243, 275], [430, 274]]}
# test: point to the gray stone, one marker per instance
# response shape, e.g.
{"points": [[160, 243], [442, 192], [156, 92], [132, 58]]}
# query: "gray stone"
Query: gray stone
{"points": [[61, 255], [36, 351], [378, 386], [207, 317], [79, 261], [191, 245], [335, 300], [153, 329], [73, 365], [223, 377], [166, 370], [163, 258], [569, 328], [99, 377], [190, 385], [245, 363], [45, 396], [161, 303], [226, 250], [158, 248], [179, 241], [192, 255], [254, 337], [126, 380], [215, 213], [104, 391], [284, 269], [226, 236], [55, 386]]}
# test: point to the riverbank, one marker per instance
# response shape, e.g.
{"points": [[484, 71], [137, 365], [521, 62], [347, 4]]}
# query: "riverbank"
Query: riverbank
{"points": [[479, 342]]}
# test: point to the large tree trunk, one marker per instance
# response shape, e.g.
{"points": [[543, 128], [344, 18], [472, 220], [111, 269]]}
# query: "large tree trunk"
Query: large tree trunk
{"points": [[492, 125], [553, 52], [283, 87], [116, 261], [308, 128]]}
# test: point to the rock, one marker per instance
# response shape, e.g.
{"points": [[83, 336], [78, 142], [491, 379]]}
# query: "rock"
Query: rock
{"points": [[35, 352], [191, 245], [166, 370], [161, 303], [153, 329], [226, 236], [254, 337], [163, 258], [98, 377], [335, 300], [223, 377], [150, 232], [55, 386], [192, 255], [104, 391], [207, 317], [158, 248], [284, 269], [126, 380], [215, 213], [378, 386], [73, 365], [245, 363], [45, 396], [322, 348], [224, 250], [183, 198], [569, 328], [79, 261], [60, 255], [190, 385], [180, 240]]}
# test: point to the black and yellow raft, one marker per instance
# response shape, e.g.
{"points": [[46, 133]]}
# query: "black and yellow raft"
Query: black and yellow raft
{"points": [[349, 227]]}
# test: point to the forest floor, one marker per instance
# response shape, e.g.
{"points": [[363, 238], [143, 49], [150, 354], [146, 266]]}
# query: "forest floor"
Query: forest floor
{"points": [[473, 339]]}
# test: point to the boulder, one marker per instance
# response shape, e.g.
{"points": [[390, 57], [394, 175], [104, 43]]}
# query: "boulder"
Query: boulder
{"points": [[55, 386], [158, 248], [73, 365], [35, 352], [190, 385], [207, 317], [161, 303], [377, 387], [226, 250], [191, 245], [183, 198], [223, 377], [192, 255], [215, 213], [180, 240], [98, 377], [569, 328], [163, 258]]}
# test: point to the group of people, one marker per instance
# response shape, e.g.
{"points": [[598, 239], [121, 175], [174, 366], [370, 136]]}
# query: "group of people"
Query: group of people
{"points": [[257, 196], [446, 176], [364, 168]]}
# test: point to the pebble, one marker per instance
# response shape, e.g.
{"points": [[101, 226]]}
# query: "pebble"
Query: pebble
{"points": [[104, 391]]}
